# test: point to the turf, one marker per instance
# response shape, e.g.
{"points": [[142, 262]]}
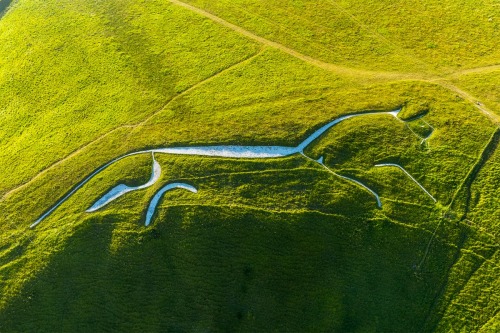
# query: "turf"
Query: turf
{"points": [[384, 35], [483, 85], [265, 245]]}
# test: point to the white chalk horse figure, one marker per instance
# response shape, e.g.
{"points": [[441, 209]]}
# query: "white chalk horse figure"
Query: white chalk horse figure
{"points": [[241, 152]]}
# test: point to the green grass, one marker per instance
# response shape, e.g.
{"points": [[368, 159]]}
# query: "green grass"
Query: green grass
{"points": [[120, 73], [168, 280], [482, 192], [484, 86], [267, 245], [384, 35]]}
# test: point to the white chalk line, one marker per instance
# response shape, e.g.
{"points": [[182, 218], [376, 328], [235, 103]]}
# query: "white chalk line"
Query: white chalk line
{"points": [[122, 189], [372, 192], [408, 174], [158, 195], [240, 152]]}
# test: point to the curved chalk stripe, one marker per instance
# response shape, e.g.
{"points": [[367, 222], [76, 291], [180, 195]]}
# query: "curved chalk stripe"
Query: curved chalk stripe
{"points": [[221, 151], [121, 189], [79, 185], [408, 174], [159, 194], [326, 127], [372, 192]]}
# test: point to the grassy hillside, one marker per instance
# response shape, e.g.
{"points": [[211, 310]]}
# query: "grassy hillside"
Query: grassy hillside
{"points": [[280, 244], [483, 85], [426, 36]]}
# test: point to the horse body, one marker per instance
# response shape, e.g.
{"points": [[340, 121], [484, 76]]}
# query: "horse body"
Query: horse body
{"points": [[226, 151]]}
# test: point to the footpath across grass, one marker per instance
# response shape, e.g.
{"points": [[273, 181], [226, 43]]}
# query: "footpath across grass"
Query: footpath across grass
{"points": [[265, 245]]}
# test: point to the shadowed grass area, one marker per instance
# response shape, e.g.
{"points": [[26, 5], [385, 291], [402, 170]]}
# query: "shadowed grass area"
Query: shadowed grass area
{"points": [[264, 245], [161, 278]]}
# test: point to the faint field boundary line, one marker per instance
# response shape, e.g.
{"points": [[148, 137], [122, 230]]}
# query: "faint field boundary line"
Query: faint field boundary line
{"points": [[132, 126], [486, 153], [482, 69], [381, 75], [318, 45], [347, 71], [467, 96], [471, 171], [318, 63], [377, 34], [487, 68]]}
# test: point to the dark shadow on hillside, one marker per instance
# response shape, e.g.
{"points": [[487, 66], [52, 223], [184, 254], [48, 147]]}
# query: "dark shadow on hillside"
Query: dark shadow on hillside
{"points": [[485, 156], [69, 289], [455, 281], [204, 268]]}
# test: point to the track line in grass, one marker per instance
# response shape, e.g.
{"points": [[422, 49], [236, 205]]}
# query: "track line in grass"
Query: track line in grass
{"points": [[55, 164], [348, 71], [403, 202], [428, 247], [132, 126], [313, 211], [308, 211], [251, 172], [476, 70], [245, 61], [470, 174], [471, 178], [379, 36], [257, 208], [236, 152], [357, 182], [415, 134], [380, 75], [442, 290], [468, 97], [317, 45], [485, 154], [409, 175]]}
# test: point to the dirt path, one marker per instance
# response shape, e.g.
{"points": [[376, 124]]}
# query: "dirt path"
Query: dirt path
{"points": [[352, 72], [483, 69], [341, 70], [131, 127], [468, 97]]}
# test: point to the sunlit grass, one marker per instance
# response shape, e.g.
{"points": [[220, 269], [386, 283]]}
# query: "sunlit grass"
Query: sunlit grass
{"points": [[277, 244]]}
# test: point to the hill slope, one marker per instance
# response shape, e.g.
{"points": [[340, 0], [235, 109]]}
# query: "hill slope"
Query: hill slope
{"points": [[285, 243]]}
